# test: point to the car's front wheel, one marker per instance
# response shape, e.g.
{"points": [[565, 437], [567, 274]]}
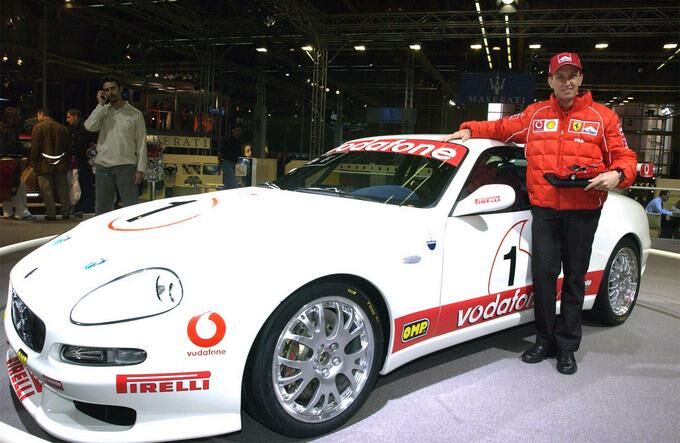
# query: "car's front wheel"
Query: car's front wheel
{"points": [[620, 284], [315, 360]]}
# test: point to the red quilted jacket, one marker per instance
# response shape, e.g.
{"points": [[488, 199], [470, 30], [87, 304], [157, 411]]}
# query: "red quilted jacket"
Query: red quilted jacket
{"points": [[589, 132]]}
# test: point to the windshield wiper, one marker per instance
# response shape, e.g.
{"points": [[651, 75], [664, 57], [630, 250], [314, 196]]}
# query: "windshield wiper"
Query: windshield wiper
{"points": [[334, 191], [269, 185]]}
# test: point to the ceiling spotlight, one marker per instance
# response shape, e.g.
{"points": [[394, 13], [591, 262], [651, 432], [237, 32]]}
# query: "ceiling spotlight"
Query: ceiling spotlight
{"points": [[452, 102], [535, 46], [602, 45], [269, 21], [360, 47], [496, 48], [507, 6], [415, 46], [155, 74], [631, 98], [337, 92], [476, 46], [261, 49], [670, 46], [4, 57], [19, 61], [307, 48]]}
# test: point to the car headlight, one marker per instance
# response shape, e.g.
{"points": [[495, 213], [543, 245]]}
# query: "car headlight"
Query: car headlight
{"points": [[139, 294], [87, 355]]}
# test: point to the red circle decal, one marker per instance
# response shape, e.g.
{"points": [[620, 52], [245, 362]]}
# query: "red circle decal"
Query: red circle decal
{"points": [[220, 330]]}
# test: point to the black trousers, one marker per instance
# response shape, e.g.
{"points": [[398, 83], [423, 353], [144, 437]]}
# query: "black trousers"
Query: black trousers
{"points": [[560, 239]]}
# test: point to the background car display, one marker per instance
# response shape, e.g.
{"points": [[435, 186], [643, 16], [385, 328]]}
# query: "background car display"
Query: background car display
{"points": [[383, 250]]}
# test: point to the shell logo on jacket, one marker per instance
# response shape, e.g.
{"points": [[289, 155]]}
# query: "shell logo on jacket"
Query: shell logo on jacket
{"points": [[587, 133]]}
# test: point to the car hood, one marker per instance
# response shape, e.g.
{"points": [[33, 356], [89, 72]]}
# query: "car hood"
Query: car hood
{"points": [[237, 229]]}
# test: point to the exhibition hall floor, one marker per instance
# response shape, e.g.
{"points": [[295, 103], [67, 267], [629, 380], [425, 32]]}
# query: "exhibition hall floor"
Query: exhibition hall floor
{"points": [[627, 388]]}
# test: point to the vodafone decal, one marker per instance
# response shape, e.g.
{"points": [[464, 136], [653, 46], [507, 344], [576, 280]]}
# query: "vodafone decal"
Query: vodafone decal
{"points": [[206, 330], [444, 151], [466, 313]]}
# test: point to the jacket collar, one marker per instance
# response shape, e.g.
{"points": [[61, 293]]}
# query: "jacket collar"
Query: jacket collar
{"points": [[581, 101]]}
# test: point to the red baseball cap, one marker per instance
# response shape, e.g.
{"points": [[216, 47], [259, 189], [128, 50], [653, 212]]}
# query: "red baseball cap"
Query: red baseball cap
{"points": [[563, 59]]}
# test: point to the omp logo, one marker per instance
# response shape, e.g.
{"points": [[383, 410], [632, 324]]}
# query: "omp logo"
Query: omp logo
{"points": [[24, 383], [411, 331], [169, 382], [22, 356], [504, 303], [212, 329]]}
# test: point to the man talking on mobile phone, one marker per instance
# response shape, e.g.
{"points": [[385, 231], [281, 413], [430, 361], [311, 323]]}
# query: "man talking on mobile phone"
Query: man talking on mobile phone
{"points": [[121, 147]]}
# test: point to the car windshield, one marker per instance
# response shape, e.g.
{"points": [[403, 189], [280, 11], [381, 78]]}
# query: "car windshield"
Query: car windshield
{"points": [[398, 178]]}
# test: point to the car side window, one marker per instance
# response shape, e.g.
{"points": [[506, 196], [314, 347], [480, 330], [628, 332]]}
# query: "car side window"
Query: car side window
{"points": [[502, 165]]}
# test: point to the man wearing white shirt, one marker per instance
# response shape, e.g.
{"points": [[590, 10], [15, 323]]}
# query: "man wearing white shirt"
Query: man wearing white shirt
{"points": [[121, 147]]}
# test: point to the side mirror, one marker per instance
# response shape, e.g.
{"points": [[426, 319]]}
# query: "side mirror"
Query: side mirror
{"points": [[488, 198]]}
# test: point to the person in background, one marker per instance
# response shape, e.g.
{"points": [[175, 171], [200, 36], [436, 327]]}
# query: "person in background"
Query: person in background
{"points": [[669, 224], [51, 158], [121, 147], [247, 150], [571, 127], [10, 146], [82, 139], [228, 156], [655, 206]]}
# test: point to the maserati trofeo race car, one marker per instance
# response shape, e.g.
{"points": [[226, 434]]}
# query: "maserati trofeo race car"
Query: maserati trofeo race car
{"points": [[164, 320]]}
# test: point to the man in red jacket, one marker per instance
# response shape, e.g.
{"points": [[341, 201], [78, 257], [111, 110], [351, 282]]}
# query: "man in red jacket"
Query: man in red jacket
{"points": [[567, 129]]}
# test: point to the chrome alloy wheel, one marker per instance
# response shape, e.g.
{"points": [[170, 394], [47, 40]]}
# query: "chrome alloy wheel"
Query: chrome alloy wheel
{"points": [[623, 281], [323, 359]]}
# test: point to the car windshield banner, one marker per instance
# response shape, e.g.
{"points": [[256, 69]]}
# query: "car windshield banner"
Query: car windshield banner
{"points": [[446, 152]]}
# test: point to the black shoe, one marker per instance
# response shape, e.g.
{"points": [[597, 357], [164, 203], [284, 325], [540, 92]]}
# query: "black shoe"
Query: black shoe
{"points": [[537, 353], [566, 363]]}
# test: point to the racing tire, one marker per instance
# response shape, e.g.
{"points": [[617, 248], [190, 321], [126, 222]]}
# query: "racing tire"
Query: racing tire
{"points": [[620, 284], [315, 361]]}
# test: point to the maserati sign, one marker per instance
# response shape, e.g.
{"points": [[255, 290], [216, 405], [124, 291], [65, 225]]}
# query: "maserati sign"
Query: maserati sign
{"points": [[507, 88]]}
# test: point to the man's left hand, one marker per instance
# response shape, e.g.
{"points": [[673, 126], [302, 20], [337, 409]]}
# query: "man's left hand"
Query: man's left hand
{"points": [[139, 175], [604, 182]]}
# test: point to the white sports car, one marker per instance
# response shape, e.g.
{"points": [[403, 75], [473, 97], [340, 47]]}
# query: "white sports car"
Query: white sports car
{"points": [[163, 320]]}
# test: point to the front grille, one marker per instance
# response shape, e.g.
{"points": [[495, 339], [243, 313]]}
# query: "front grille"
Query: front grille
{"points": [[114, 415], [30, 328]]}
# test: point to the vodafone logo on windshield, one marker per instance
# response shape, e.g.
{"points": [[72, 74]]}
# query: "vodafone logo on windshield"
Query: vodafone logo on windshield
{"points": [[206, 330], [444, 151]]}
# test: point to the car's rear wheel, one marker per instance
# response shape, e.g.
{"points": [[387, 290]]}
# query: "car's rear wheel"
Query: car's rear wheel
{"points": [[315, 360], [620, 284]]}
